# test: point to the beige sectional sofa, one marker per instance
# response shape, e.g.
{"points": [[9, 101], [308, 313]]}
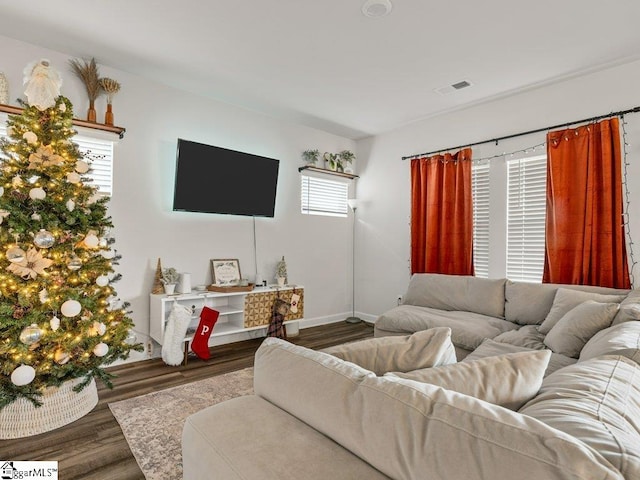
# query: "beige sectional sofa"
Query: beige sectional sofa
{"points": [[401, 407]]}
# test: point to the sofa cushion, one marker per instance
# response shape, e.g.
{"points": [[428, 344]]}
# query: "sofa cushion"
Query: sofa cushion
{"points": [[509, 380], [217, 443], [527, 336], [622, 339], [490, 348], [629, 308], [578, 325], [426, 348], [529, 303], [456, 292], [409, 430], [467, 329], [566, 299], [598, 402]]}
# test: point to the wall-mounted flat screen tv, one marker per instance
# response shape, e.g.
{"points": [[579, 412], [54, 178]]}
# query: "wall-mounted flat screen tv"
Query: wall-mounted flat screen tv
{"points": [[217, 180]]}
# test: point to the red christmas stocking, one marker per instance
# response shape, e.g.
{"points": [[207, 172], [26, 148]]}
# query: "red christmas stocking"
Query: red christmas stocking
{"points": [[200, 342]]}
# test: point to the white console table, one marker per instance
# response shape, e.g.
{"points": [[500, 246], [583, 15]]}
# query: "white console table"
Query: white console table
{"points": [[239, 311]]}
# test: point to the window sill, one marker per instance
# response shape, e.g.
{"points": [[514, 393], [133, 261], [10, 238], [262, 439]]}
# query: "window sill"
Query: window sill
{"points": [[80, 123]]}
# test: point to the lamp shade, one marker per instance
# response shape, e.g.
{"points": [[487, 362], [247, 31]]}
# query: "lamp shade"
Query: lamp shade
{"points": [[353, 203]]}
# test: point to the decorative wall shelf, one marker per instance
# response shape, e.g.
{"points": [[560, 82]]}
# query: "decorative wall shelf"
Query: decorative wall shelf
{"points": [[76, 121], [307, 168]]}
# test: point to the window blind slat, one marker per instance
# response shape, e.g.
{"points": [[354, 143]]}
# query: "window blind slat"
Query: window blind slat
{"points": [[526, 215], [480, 192], [321, 196]]}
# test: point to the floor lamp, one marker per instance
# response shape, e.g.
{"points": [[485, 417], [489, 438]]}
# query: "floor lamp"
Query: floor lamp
{"points": [[353, 203]]}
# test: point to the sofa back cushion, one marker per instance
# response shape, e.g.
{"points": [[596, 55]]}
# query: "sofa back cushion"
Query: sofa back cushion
{"points": [[598, 402], [622, 339], [456, 292], [508, 380], [578, 325], [566, 300], [411, 430], [426, 348], [530, 303]]}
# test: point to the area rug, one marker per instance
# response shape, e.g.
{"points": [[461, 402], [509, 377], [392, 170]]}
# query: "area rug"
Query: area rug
{"points": [[152, 423]]}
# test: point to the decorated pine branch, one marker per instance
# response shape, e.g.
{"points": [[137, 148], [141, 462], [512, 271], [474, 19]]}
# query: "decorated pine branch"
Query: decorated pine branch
{"points": [[59, 314]]}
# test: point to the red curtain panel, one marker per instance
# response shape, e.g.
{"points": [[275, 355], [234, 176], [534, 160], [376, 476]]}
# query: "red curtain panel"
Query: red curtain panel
{"points": [[585, 238], [442, 214]]}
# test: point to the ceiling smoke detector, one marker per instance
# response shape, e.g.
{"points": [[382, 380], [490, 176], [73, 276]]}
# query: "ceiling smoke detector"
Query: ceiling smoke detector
{"points": [[376, 8]]}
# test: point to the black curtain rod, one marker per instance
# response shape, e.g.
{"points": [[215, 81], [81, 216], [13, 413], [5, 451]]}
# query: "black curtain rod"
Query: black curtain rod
{"points": [[506, 137]]}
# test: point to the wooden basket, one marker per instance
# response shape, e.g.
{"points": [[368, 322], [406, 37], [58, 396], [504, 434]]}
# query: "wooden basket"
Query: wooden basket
{"points": [[219, 289]]}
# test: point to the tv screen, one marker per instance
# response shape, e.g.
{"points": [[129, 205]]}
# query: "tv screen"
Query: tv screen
{"points": [[217, 180]]}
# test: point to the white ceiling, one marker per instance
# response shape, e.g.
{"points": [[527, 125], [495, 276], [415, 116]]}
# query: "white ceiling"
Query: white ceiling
{"points": [[324, 64]]}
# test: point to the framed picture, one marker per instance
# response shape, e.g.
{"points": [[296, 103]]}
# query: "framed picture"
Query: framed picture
{"points": [[225, 271]]}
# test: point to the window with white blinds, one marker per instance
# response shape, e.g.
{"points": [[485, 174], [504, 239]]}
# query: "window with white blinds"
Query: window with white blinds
{"points": [[526, 212], [323, 196], [480, 191], [98, 152]]}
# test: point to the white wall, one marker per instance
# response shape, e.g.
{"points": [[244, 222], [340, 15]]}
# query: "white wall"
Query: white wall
{"points": [[383, 231], [317, 249]]}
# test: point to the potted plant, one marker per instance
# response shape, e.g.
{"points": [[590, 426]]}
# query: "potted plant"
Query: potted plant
{"points": [[346, 157], [170, 277], [311, 157], [281, 272], [331, 161]]}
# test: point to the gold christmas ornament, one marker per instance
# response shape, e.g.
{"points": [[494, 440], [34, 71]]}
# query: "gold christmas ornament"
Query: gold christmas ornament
{"points": [[44, 239], [61, 357], [16, 255], [30, 334], [74, 263]]}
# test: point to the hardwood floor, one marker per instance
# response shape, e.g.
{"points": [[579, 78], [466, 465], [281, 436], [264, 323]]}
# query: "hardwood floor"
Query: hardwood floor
{"points": [[94, 446]]}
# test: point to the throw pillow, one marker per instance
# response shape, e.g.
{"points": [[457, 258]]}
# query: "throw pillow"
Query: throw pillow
{"points": [[629, 308], [426, 348], [508, 380], [567, 299], [578, 325]]}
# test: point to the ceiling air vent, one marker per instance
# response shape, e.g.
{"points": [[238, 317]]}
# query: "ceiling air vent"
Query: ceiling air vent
{"points": [[453, 87], [461, 85]]}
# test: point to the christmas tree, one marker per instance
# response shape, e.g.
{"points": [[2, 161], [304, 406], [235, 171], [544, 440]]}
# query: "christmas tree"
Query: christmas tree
{"points": [[60, 318]]}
